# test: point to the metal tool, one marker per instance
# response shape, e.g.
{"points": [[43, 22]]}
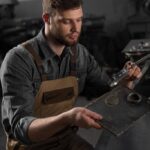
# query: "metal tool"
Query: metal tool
{"points": [[124, 72]]}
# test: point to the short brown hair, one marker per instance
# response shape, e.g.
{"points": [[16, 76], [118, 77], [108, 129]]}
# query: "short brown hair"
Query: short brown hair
{"points": [[52, 5]]}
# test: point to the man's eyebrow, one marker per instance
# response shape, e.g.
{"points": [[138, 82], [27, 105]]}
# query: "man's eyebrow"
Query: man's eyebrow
{"points": [[65, 18]]}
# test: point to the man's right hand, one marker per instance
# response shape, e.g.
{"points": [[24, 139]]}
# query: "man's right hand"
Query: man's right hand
{"points": [[42, 128], [84, 118]]}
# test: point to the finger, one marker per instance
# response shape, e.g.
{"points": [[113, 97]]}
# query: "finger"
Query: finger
{"points": [[130, 73], [134, 73], [128, 64], [132, 70], [137, 73], [92, 123], [96, 125], [94, 115]]}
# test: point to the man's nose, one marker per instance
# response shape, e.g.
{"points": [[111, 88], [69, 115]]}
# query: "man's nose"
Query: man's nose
{"points": [[74, 27]]}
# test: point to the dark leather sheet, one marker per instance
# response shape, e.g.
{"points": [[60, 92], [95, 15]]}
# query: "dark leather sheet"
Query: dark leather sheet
{"points": [[120, 108]]}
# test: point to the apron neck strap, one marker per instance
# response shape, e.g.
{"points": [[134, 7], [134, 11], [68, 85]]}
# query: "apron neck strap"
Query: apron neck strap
{"points": [[37, 59], [39, 63], [73, 69]]}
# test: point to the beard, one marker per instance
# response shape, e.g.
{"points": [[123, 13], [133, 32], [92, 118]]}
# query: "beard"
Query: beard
{"points": [[64, 40]]}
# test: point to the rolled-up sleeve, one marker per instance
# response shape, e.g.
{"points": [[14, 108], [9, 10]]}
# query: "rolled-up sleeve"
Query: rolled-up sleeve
{"points": [[18, 93]]}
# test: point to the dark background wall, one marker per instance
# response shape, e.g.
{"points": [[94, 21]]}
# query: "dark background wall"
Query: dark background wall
{"points": [[28, 8], [115, 11]]}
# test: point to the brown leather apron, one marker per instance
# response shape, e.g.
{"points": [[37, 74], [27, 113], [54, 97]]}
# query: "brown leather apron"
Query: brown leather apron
{"points": [[53, 98]]}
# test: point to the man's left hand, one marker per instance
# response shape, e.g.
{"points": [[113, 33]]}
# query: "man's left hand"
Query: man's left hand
{"points": [[134, 72]]}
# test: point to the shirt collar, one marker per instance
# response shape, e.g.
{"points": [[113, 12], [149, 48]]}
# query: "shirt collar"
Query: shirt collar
{"points": [[44, 48]]}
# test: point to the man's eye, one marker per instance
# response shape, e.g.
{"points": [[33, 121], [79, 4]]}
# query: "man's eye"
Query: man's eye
{"points": [[66, 21], [79, 20]]}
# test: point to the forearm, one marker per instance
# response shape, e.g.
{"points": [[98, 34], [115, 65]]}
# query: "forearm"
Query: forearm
{"points": [[43, 128]]}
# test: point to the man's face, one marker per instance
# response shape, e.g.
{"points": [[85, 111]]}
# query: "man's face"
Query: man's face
{"points": [[65, 26]]}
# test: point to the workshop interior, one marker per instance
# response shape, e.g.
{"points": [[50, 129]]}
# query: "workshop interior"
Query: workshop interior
{"points": [[113, 31]]}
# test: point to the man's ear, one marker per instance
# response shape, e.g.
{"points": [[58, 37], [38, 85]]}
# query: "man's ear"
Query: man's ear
{"points": [[46, 18]]}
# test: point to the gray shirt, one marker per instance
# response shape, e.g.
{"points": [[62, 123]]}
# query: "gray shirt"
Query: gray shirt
{"points": [[21, 80]]}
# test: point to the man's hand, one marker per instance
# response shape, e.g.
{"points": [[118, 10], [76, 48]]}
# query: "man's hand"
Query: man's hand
{"points": [[42, 128], [134, 72], [84, 118]]}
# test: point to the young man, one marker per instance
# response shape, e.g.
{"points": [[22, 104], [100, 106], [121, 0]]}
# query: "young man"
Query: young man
{"points": [[56, 53]]}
